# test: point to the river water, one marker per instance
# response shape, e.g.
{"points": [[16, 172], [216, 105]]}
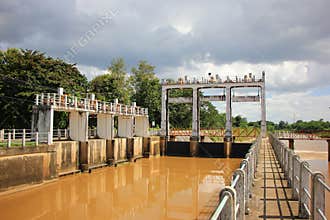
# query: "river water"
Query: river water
{"points": [[155, 188], [316, 153]]}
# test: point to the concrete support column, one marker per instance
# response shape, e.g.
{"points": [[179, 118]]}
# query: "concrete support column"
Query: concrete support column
{"points": [[291, 143], [195, 124], [78, 125], [164, 116], [142, 126], [228, 133], [263, 108], [126, 126], [162, 144], [105, 126], [45, 122], [195, 115]]}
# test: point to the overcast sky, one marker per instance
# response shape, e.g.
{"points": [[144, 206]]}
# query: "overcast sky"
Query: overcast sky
{"points": [[290, 40]]}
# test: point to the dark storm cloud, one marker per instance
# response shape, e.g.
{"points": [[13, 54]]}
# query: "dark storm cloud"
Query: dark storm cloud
{"points": [[251, 31]]}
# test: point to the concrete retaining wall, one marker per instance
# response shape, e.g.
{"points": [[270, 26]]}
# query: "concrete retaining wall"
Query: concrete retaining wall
{"points": [[92, 154], [22, 166], [67, 157], [151, 146], [119, 146], [137, 147]]}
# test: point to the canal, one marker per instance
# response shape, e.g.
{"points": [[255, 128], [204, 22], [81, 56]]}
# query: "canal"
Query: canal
{"points": [[154, 188]]}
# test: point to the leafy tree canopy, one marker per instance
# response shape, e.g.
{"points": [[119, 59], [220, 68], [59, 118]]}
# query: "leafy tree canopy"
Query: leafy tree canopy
{"points": [[24, 73]]}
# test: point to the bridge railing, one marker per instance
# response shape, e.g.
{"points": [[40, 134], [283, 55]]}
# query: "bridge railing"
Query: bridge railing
{"points": [[67, 102], [308, 187], [234, 199]]}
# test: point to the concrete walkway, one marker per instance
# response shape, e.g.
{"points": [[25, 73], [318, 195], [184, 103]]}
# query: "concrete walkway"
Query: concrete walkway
{"points": [[271, 196]]}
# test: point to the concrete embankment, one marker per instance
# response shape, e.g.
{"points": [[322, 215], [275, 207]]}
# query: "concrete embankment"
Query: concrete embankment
{"points": [[34, 165]]}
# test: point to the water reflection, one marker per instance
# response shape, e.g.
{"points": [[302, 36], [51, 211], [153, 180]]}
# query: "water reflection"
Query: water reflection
{"points": [[156, 188]]}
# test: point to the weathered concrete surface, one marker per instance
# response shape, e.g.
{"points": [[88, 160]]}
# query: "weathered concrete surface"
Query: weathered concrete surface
{"points": [[153, 146], [137, 147], [67, 157], [26, 166], [92, 154], [119, 150]]}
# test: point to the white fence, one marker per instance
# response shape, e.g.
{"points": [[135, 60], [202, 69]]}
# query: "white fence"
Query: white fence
{"points": [[308, 187], [25, 137], [234, 199]]}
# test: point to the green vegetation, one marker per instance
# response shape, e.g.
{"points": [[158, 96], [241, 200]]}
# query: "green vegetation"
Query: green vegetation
{"points": [[24, 73]]}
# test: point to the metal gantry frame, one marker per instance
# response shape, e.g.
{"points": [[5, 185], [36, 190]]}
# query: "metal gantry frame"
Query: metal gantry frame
{"points": [[247, 82]]}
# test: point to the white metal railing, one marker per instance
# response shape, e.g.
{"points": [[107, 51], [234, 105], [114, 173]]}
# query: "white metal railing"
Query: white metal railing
{"points": [[25, 137], [308, 187], [67, 102], [234, 199]]}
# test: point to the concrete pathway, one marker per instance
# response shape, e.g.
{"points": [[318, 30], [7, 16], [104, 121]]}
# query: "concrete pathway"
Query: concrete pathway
{"points": [[271, 196]]}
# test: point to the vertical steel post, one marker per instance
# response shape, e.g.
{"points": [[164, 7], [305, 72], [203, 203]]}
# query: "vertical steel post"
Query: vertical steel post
{"points": [[228, 212], [304, 184], [318, 196], [240, 192], [263, 108]]}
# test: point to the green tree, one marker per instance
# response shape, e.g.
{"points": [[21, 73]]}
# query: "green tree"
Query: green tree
{"points": [[210, 117], [147, 90], [239, 121], [24, 73], [113, 85]]}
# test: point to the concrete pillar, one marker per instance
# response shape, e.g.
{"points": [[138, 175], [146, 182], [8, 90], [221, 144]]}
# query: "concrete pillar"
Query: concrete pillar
{"points": [[105, 126], [328, 150], [78, 125], [263, 108], [126, 126], [228, 132], [291, 143], [195, 115], [227, 147], [162, 144], [164, 115], [45, 122], [193, 146], [142, 126]]}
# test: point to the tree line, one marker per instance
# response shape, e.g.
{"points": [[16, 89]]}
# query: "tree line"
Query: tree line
{"points": [[24, 73]]}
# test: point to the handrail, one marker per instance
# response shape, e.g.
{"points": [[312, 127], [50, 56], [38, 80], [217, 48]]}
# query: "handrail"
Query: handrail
{"points": [[22, 136], [68, 102], [236, 196], [308, 187]]}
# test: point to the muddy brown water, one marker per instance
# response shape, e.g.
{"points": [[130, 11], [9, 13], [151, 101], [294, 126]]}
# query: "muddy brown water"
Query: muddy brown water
{"points": [[316, 153], [155, 188]]}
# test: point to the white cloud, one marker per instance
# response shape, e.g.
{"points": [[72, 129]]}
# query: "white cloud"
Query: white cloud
{"points": [[289, 87], [91, 71]]}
